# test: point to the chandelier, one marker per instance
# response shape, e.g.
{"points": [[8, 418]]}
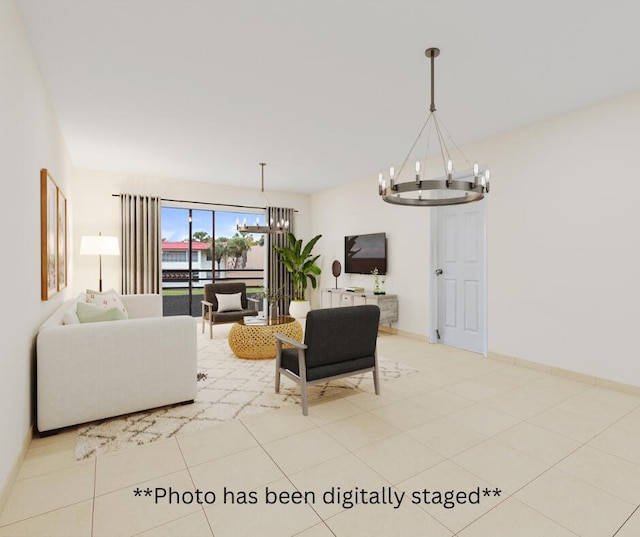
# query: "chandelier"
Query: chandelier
{"points": [[452, 187], [281, 226]]}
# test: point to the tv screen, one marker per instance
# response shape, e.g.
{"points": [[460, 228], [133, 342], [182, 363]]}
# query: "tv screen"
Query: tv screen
{"points": [[364, 253]]}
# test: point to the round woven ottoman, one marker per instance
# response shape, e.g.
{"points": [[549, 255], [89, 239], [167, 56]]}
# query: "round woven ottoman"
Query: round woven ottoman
{"points": [[257, 342]]}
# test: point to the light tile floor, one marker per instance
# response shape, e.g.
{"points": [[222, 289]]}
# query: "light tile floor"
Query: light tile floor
{"points": [[526, 453]]}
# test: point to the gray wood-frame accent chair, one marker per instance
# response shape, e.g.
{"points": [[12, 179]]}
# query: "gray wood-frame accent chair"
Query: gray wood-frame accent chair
{"points": [[338, 342], [210, 305]]}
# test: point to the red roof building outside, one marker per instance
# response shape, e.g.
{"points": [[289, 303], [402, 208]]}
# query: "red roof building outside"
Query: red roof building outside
{"points": [[185, 245]]}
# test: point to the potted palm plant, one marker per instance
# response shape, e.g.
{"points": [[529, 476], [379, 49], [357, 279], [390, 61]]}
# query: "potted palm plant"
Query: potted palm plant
{"points": [[300, 263]]}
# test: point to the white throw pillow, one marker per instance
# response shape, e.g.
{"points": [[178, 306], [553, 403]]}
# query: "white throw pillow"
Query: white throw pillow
{"points": [[229, 302], [107, 299]]}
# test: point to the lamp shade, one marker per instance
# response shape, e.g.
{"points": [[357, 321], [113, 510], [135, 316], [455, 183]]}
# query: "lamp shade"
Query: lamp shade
{"points": [[99, 245]]}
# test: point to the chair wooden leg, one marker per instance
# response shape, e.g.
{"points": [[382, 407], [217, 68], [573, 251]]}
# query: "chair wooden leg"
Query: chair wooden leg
{"points": [[376, 381], [278, 361], [303, 393], [302, 372], [210, 328]]}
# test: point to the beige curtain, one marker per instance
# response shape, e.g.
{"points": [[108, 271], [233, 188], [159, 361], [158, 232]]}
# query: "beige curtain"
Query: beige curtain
{"points": [[277, 276], [141, 244]]}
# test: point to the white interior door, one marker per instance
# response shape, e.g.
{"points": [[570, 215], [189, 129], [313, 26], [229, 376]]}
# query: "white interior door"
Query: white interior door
{"points": [[460, 276]]}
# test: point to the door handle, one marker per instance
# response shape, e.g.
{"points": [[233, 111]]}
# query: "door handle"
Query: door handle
{"points": [[438, 272]]}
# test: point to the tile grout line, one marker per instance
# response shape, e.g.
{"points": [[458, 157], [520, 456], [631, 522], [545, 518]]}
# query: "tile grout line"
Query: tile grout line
{"points": [[493, 437], [286, 475], [581, 446], [627, 520], [186, 464]]}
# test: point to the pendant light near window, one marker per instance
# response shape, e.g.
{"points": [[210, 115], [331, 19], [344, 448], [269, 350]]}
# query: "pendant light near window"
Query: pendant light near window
{"points": [[281, 226], [452, 187]]}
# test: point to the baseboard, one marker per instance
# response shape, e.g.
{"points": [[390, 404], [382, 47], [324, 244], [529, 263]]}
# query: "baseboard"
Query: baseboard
{"points": [[568, 374], [5, 489], [395, 331], [544, 368]]}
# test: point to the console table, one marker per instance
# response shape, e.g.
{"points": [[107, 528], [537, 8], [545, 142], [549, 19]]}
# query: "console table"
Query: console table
{"points": [[388, 304]]}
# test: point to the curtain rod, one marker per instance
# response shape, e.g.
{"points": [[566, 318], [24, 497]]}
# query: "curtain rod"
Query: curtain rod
{"points": [[210, 203]]}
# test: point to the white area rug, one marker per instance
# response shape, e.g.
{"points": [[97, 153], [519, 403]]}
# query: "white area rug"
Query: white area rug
{"points": [[228, 388]]}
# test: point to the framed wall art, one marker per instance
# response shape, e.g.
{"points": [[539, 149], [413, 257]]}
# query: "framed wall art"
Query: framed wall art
{"points": [[53, 236], [62, 240]]}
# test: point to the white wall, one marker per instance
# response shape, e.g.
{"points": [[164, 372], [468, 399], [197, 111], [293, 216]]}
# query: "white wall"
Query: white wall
{"points": [[564, 241], [97, 210], [356, 208], [29, 140]]}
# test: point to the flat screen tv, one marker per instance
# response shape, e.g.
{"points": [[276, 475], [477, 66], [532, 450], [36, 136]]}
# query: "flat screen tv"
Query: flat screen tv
{"points": [[364, 253]]}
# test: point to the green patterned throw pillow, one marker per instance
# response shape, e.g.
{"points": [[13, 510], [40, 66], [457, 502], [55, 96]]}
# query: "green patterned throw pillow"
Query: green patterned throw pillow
{"points": [[90, 313]]}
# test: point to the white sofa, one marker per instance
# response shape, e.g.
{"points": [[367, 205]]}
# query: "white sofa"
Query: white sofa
{"points": [[91, 371]]}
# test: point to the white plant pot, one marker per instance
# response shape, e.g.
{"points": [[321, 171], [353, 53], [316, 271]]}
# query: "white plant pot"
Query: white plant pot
{"points": [[298, 309]]}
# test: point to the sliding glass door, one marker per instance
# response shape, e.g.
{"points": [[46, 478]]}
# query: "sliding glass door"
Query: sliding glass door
{"points": [[200, 246], [187, 259]]}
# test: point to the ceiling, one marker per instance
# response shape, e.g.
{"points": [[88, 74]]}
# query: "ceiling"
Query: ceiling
{"points": [[324, 92]]}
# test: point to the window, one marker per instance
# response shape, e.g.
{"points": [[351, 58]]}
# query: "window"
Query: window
{"points": [[174, 257]]}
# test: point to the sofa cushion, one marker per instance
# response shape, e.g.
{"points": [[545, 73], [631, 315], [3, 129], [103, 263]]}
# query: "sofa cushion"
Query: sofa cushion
{"points": [[92, 313], [107, 299], [70, 315], [289, 360], [229, 302]]}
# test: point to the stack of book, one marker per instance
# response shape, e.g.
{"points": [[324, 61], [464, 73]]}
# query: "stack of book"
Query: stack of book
{"points": [[254, 320]]}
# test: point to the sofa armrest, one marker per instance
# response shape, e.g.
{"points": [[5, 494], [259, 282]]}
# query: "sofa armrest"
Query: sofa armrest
{"points": [[141, 306], [95, 370]]}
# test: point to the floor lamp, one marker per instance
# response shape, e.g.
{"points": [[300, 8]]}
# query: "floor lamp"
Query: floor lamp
{"points": [[99, 245]]}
